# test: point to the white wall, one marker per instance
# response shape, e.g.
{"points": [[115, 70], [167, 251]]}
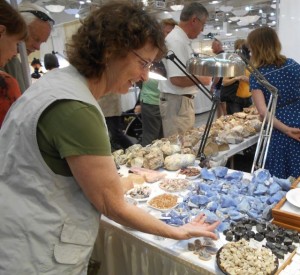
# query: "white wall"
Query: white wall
{"points": [[289, 23]]}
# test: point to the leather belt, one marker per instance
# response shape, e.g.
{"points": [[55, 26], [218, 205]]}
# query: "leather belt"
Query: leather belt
{"points": [[189, 96]]}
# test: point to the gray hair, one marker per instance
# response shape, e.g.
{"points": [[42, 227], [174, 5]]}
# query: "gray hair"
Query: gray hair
{"points": [[29, 17], [191, 9]]}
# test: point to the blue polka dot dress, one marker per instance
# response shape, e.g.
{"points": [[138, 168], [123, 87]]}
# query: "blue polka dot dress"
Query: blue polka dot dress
{"points": [[283, 159]]}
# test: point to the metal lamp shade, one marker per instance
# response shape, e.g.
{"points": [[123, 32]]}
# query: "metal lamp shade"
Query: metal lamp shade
{"points": [[222, 65]]}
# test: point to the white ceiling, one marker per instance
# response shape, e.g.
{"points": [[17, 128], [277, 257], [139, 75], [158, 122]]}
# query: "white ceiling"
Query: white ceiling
{"points": [[160, 9]]}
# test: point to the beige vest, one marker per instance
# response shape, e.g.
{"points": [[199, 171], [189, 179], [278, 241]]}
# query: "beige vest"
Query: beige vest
{"points": [[47, 224]]}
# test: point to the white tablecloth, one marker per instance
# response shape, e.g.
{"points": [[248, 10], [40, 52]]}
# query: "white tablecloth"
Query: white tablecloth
{"points": [[127, 252], [123, 251]]}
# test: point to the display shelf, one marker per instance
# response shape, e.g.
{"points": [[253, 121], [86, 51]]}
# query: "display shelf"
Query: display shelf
{"points": [[286, 215], [286, 262]]}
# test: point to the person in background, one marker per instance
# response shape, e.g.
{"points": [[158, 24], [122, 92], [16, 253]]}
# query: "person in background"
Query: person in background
{"points": [[283, 159], [178, 91], [51, 61], [112, 109], [217, 48], [56, 143], [149, 96], [243, 98], [36, 65], [13, 30], [167, 25], [39, 23]]}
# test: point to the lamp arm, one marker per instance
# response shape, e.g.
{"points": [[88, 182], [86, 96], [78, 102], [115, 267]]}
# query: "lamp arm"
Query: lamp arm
{"points": [[213, 98], [257, 74], [172, 56], [265, 134]]}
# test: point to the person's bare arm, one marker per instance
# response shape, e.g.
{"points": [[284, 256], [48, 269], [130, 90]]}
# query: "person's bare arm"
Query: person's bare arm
{"points": [[230, 80], [100, 182], [184, 81], [259, 101], [214, 84]]}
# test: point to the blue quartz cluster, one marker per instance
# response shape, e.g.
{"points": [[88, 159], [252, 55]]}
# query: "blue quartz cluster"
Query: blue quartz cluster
{"points": [[229, 196]]}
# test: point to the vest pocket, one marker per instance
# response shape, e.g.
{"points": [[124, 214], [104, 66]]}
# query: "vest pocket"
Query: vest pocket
{"points": [[69, 253], [76, 243]]}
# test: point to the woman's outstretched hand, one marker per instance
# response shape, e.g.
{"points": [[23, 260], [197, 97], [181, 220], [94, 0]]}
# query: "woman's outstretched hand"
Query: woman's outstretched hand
{"points": [[199, 228]]}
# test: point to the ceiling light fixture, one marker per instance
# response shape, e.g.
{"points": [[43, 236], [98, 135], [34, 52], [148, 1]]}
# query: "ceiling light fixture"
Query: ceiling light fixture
{"points": [[176, 7], [239, 12], [71, 11], [55, 8], [226, 8]]}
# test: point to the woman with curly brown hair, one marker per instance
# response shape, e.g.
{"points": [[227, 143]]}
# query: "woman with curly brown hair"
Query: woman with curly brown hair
{"points": [[12, 30], [55, 141]]}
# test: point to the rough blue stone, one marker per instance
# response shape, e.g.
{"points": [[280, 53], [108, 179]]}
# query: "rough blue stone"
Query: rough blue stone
{"points": [[210, 217], [198, 199], [223, 226], [204, 186], [207, 174], [264, 199], [244, 205], [252, 214], [236, 175], [212, 206], [267, 212], [220, 171], [274, 187], [238, 217], [251, 187], [284, 183], [262, 175], [276, 197], [210, 193], [261, 189], [257, 205], [227, 201]]}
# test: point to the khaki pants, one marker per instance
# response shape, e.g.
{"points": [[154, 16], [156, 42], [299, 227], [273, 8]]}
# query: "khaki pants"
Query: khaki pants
{"points": [[177, 113]]}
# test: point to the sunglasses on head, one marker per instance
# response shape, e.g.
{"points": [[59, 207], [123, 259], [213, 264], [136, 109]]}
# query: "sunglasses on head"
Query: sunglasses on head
{"points": [[41, 15]]}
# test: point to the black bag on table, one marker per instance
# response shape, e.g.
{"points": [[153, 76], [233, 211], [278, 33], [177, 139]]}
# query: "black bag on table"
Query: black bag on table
{"points": [[228, 93]]}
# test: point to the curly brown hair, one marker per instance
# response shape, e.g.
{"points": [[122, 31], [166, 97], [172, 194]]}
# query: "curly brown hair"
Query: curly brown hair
{"points": [[12, 20], [265, 47], [111, 32]]}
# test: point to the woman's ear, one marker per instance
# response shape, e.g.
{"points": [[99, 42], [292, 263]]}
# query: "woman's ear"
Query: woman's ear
{"points": [[2, 29]]}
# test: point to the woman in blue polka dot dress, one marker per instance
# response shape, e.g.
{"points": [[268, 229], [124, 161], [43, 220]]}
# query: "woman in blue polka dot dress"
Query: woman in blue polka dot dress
{"points": [[283, 159]]}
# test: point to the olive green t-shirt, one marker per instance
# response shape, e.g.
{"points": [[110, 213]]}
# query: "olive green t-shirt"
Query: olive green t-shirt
{"points": [[71, 128]]}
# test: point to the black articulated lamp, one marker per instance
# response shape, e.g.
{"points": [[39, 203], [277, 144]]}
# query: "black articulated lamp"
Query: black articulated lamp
{"points": [[222, 65]]}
